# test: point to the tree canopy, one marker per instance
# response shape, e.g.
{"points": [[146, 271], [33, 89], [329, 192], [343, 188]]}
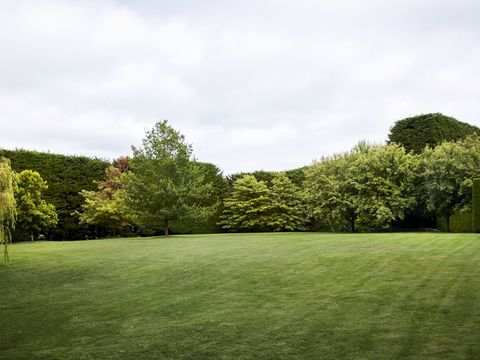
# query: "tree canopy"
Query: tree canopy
{"points": [[253, 205], [296, 176], [289, 211], [107, 206], [366, 188], [34, 214], [449, 170], [164, 186], [204, 217], [417, 132], [248, 207]]}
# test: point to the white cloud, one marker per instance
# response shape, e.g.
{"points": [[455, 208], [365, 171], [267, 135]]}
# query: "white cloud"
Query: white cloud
{"points": [[253, 85]]}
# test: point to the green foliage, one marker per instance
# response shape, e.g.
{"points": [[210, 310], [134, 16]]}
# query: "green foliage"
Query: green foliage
{"points": [[254, 206], [260, 175], [248, 207], [296, 176], [106, 206], [417, 132], [449, 170], [327, 192], [66, 176], [34, 214], [288, 209], [367, 188], [164, 186], [7, 205], [206, 217], [476, 205]]}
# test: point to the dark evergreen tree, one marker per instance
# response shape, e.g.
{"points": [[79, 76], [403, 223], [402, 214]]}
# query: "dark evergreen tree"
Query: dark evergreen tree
{"points": [[416, 132]]}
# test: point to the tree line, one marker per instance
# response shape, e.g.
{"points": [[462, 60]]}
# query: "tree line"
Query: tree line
{"points": [[425, 169]]}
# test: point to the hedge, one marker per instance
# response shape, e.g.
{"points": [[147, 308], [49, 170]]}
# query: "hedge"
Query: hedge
{"points": [[476, 205], [459, 222], [66, 176]]}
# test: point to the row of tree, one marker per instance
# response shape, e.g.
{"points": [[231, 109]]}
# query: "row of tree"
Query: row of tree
{"points": [[161, 187], [371, 187]]}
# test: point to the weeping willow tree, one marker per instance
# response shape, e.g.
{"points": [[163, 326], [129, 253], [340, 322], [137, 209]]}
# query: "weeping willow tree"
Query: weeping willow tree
{"points": [[7, 205]]}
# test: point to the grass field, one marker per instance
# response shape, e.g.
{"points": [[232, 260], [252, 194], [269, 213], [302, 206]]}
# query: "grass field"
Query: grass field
{"points": [[251, 296]]}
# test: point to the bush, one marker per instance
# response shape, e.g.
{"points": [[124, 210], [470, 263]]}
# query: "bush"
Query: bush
{"points": [[459, 222]]}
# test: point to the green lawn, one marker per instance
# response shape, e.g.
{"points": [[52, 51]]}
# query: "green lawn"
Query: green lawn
{"points": [[250, 296]]}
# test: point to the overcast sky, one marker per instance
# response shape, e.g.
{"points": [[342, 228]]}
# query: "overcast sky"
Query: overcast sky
{"points": [[264, 84]]}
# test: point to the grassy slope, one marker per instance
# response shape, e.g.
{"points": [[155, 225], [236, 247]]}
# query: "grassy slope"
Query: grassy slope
{"points": [[269, 296]]}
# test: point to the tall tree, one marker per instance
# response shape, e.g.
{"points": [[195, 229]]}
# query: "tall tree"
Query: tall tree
{"points": [[367, 188], [248, 207], [34, 214], [164, 186], [288, 209], [417, 132], [449, 170], [7, 205]]}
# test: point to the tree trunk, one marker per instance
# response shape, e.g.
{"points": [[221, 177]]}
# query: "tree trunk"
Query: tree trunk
{"points": [[165, 230], [5, 252], [31, 235], [447, 217], [352, 223]]}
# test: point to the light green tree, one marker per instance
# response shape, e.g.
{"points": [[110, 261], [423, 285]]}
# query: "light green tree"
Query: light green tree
{"points": [[329, 192], [164, 186], [449, 170], [366, 188], [34, 214], [288, 207], [248, 207], [385, 178], [106, 206], [7, 205]]}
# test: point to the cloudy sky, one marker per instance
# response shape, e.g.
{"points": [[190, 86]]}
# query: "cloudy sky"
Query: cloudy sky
{"points": [[264, 84]]}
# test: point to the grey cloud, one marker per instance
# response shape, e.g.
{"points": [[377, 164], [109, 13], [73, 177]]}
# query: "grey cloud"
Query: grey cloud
{"points": [[253, 85]]}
